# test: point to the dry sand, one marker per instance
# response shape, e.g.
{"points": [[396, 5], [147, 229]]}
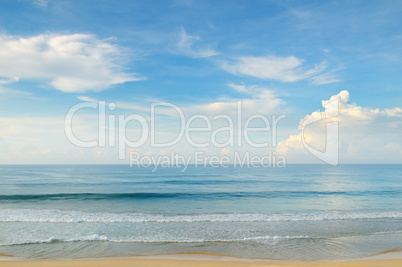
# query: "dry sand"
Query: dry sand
{"points": [[199, 260]]}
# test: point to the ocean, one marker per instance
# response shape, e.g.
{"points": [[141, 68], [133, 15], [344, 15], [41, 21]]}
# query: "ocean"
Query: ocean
{"points": [[300, 212]]}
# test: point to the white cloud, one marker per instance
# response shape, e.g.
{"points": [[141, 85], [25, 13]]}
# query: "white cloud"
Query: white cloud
{"points": [[325, 78], [15, 79], [87, 99], [30, 140], [11, 93], [284, 69], [252, 90], [263, 101], [41, 3], [239, 88], [259, 100], [167, 121], [395, 112], [8, 91], [187, 45], [70, 63], [366, 135]]}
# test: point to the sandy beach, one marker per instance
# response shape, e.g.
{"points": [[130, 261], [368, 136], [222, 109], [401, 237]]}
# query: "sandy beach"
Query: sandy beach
{"points": [[197, 259], [195, 263]]}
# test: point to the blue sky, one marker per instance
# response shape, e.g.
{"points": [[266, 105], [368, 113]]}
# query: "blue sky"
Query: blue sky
{"points": [[193, 53]]}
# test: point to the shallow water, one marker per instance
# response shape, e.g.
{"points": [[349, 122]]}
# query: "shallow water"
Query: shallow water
{"points": [[297, 212]]}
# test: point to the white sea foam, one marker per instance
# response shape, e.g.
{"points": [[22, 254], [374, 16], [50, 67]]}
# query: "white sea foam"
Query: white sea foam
{"points": [[59, 216], [95, 237]]}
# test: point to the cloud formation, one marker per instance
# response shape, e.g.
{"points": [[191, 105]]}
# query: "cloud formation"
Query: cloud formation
{"points": [[41, 3], [188, 46], [257, 100], [366, 135], [283, 69], [69, 63]]}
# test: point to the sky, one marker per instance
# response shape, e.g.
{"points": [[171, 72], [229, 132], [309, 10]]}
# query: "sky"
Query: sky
{"points": [[274, 57]]}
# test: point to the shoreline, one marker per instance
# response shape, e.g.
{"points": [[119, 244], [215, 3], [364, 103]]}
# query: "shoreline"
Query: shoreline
{"points": [[386, 258]]}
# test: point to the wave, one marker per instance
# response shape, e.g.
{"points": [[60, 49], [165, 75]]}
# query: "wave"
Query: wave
{"points": [[202, 195], [95, 237], [59, 216]]}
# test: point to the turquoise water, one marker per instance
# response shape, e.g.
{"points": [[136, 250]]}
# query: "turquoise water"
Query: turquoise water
{"points": [[297, 212]]}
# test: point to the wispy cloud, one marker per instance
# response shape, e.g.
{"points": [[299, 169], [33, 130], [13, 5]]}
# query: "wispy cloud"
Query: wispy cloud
{"points": [[41, 3], [251, 90], [17, 94], [15, 79], [330, 76], [69, 63], [257, 100], [284, 69], [325, 78], [13, 93], [87, 99], [188, 45], [239, 88]]}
